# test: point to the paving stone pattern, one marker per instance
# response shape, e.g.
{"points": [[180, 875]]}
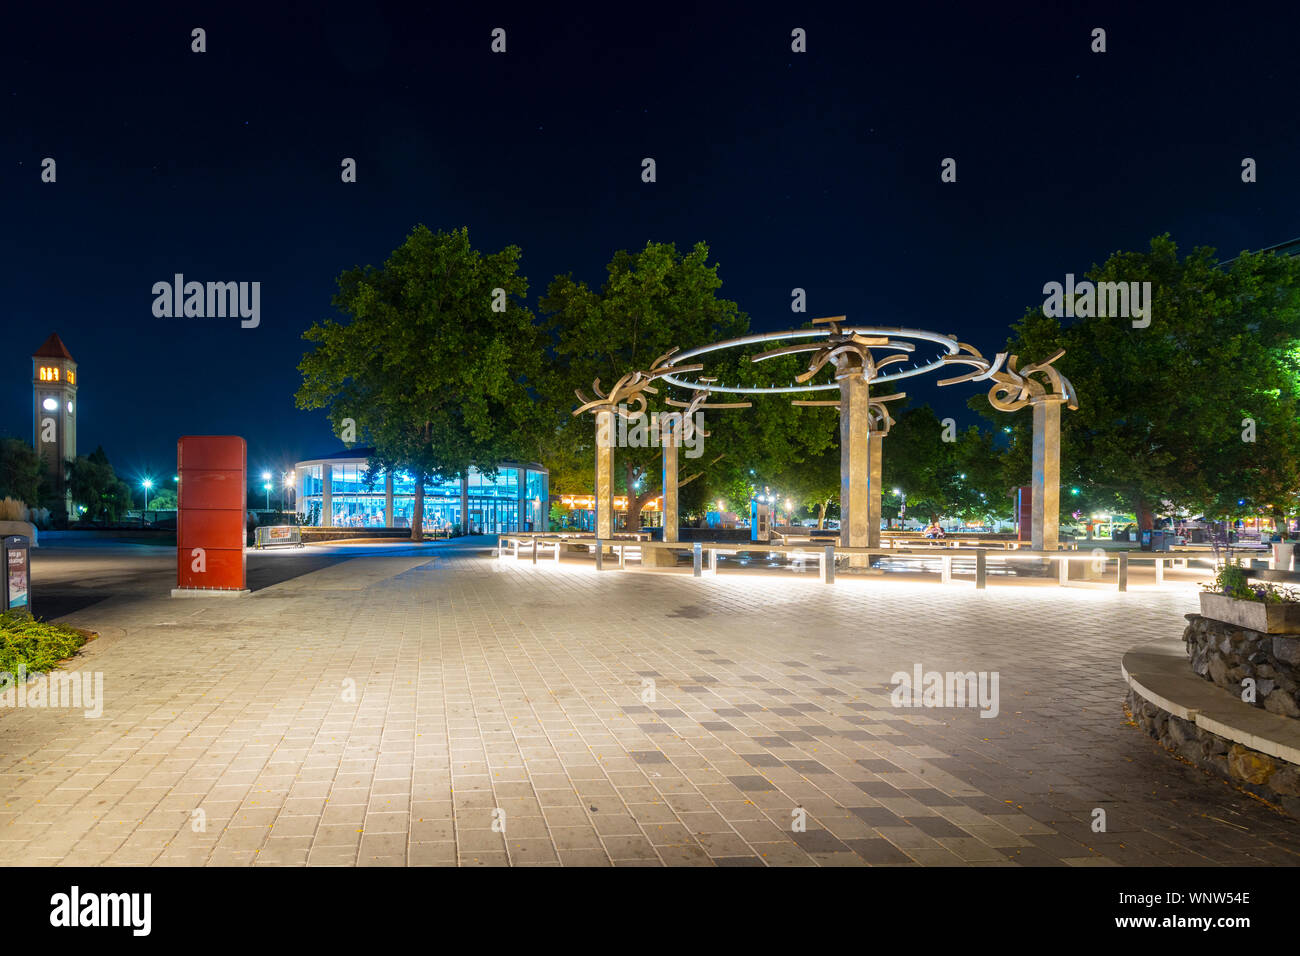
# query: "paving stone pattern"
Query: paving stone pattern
{"points": [[487, 691]]}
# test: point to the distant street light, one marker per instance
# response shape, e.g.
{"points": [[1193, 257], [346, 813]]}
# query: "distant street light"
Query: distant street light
{"points": [[267, 486], [146, 484]]}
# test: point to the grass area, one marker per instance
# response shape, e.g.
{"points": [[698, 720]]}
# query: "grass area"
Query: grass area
{"points": [[35, 645]]}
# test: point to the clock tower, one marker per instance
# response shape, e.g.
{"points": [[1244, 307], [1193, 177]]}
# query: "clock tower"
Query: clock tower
{"points": [[54, 391]]}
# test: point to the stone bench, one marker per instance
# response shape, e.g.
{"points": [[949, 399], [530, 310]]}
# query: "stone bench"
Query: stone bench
{"points": [[1210, 726]]}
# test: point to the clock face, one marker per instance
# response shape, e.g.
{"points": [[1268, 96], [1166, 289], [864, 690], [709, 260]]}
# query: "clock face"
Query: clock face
{"points": [[69, 408], [50, 404]]}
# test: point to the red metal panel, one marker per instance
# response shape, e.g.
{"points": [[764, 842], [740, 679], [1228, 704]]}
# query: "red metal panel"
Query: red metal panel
{"points": [[212, 505], [220, 566], [207, 490]]}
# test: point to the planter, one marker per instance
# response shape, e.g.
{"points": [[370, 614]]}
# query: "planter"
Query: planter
{"points": [[1283, 618], [1283, 555]]}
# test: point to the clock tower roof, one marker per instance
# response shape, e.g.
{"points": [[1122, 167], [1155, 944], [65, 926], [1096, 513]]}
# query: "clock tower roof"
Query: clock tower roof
{"points": [[53, 348]]}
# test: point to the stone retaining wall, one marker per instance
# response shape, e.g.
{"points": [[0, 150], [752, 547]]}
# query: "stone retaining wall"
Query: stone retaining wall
{"points": [[1276, 781], [1227, 654]]}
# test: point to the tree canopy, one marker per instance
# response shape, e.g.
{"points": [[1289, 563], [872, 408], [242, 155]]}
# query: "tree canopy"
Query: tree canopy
{"points": [[434, 363], [1198, 409]]}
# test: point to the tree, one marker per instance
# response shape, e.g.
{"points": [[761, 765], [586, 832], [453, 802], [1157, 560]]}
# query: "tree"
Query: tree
{"points": [[957, 479], [21, 475], [1164, 410], [435, 364], [162, 499], [814, 481], [653, 301], [96, 487]]}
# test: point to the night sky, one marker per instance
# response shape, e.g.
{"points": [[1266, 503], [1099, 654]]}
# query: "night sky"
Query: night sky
{"points": [[817, 170]]}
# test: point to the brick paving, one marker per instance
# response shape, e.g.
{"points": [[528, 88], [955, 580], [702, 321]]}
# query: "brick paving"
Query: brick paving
{"points": [[394, 709]]}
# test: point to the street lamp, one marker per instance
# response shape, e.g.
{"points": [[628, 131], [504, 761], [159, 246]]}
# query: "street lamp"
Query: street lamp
{"points": [[146, 484], [267, 486]]}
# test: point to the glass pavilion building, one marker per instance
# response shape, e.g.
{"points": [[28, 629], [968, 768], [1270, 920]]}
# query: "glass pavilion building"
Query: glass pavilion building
{"points": [[338, 492]]}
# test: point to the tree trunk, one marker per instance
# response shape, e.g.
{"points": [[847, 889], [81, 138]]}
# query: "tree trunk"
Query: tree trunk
{"points": [[1145, 519], [821, 514], [1279, 519], [417, 510]]}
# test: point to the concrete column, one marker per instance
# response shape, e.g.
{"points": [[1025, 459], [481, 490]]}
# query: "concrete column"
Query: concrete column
{"points": [[327, 495], [875, 475], [605, 474], [855, 465], [1045, 509], [522, 506], [388, 499], [669, 440], [464, 503]]}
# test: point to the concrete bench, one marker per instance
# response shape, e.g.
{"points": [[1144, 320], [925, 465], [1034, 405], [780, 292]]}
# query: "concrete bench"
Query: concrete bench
{"points": [[1160, 673]]}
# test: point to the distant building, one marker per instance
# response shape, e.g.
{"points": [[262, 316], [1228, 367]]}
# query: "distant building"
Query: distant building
{"points": [[336, 492], [54, 423]]}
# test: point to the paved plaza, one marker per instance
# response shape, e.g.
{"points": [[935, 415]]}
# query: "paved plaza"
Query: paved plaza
{"points": [[387, 708]]}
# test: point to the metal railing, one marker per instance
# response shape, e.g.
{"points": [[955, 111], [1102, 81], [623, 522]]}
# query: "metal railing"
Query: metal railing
{"points": [[704, 556]]}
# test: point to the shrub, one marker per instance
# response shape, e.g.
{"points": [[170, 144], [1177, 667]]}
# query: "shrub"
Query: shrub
{"points": [[36, 645], [11, 509], [1231, 581]]}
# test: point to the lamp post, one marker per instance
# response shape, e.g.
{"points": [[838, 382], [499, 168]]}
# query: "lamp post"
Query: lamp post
{"points": [[266, 486], [146, 484]]}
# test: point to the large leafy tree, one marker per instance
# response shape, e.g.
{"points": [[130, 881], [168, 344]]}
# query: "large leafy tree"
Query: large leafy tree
{"points": [[651, 301], [1163, 409], [434, 363], [96, 487], [20, 471], [962, 478]]}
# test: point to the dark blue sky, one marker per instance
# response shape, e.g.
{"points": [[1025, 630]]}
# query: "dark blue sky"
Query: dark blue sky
{"points": [[818, 170]]}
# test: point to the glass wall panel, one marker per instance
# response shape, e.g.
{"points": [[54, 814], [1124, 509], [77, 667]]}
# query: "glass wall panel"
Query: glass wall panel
{"points": [[441, 512], [442, 485], [358, 511], [309, 508]]}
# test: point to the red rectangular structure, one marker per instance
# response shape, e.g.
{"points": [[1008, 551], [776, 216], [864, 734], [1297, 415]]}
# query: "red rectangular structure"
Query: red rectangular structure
{"points": [[210, 518]]}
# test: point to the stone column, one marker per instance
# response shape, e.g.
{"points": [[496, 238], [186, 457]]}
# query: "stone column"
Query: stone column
{"points": [[388, 499], [605, 474], [464, 503], [855, 466], [523, 506], [669, 439], [1045, 508], [875, 465], [327, 495]]}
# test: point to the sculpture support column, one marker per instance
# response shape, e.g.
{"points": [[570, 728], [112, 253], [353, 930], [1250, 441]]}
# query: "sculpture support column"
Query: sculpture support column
{"points": [[1046, 505], [875, 474], [855, 465], [604, 474], [669, 439], [327, 495], [388, 499]]}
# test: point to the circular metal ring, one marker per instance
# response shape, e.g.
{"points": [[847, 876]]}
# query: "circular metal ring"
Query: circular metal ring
{"points": [[946, 341]]}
